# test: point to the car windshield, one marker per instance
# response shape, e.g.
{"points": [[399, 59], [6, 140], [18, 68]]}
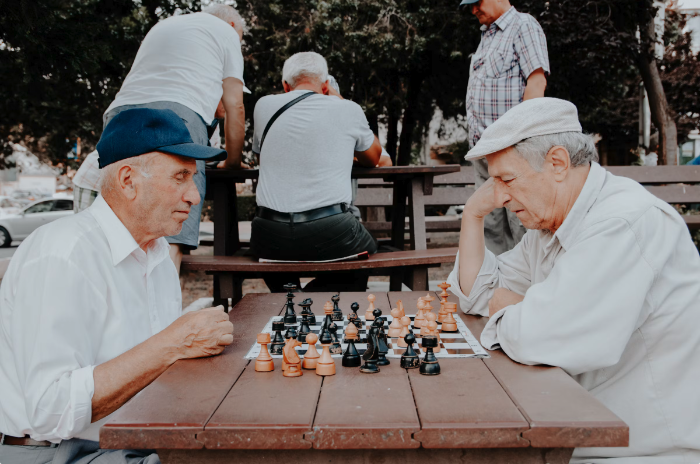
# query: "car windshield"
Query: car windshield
{"points": [[42, 207]]}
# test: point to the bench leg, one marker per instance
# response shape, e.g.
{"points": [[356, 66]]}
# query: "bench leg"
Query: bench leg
{"points": [[227, 286], [395, 280], [417, 279]]}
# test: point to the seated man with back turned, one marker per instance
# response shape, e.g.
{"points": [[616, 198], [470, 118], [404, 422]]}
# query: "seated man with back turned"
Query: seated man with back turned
{"points": [[90, 305], [605, 283], [306, 158]]}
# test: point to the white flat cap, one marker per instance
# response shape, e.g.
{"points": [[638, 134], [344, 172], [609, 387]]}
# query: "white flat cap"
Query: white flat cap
{"points": [[538, 116]]}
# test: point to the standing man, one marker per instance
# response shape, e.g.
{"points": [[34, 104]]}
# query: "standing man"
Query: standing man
{"points": [[509, 66], [188, 64]]}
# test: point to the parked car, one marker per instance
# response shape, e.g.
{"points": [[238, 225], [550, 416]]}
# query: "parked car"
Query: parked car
{"points": [[19, 226], [9, 206]]}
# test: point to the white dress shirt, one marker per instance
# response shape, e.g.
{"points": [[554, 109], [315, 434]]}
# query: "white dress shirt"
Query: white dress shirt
{"points": [[78, 292], [613, 298]]}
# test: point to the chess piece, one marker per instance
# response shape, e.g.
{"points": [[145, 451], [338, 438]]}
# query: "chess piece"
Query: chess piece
{"points": [[311, 356], [277, 340], [419, 319], [430, 365], [351, 332], [304, 328], [405, 322], [325, 364], [264, 362], [433, 331], [328, 319], [368, 314], [290, 317], [427, 307], [428, 317], [356, 319], [381, 339], [371, 355], [306, 311], [351, 358], [337, 313], [335, 344], [290, 335], [402, 312], [450, 324], [312, 316], [395, 327], [443, 299], [291, 358], [410, 359]]}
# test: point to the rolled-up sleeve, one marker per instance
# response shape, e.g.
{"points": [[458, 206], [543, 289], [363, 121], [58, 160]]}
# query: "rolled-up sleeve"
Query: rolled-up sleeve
{"points": [[55, 328], [531, 47], [509, 270], [582, 315]]}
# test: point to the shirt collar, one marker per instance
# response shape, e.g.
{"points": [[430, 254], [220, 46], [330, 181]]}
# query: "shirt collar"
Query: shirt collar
{"points": [[120, 240], [504, 20], [566, 234]]}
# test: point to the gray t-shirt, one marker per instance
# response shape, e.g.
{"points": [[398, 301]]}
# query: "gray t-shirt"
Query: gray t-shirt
{"points": [[308, 152]]}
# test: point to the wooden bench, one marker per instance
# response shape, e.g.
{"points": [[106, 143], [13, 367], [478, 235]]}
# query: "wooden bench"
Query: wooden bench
{"points": [[677, 185]]}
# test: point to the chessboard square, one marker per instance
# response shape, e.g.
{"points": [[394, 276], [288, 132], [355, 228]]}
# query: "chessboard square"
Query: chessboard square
{"points": [[457, 345], [459, 351]]}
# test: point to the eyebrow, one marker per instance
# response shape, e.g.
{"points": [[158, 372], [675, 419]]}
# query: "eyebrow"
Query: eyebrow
{"points": [[183, 171]]}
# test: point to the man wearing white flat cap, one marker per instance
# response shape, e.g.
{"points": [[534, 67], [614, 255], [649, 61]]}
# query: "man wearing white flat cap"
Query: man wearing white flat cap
{"points": [[605, 283]]}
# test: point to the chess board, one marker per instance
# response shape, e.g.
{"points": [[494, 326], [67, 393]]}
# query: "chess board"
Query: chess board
{"points": [[460, 344]]}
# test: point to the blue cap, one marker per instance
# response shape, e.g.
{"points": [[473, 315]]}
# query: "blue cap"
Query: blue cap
{"points": [[143, 130], [467, 2]]}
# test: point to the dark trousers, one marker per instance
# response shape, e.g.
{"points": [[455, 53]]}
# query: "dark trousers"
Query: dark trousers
{"points": [[328, 238]]}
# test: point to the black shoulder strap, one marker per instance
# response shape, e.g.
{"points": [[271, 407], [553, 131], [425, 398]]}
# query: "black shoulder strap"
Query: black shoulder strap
{"points": [[279, 113]]}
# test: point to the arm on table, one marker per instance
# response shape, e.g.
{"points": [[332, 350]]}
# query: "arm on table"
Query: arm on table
{"points": [[193, 335], [536, 85], [234, 125], [370, 157]]}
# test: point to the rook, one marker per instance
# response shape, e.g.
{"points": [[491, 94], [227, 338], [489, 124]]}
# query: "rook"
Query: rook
{"points": [[277, 341], [430, 365]]}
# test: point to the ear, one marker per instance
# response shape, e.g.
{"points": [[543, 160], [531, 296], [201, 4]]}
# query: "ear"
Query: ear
{"points": [[324, 88], [125, 175], [287, 87], [559, 162]]}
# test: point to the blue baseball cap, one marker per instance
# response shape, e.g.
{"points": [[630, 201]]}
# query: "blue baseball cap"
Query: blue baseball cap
{"points": [[143, 130], [467, 2]]}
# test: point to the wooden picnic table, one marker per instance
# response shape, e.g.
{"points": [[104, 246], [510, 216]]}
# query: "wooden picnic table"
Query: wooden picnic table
{"points": [[489, 410], [410, 183]]}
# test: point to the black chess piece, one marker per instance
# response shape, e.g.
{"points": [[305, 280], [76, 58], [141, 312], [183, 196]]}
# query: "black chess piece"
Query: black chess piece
{"points": [[371, 355], [382, 339], [291, 333], [337, 313], [351, 358], [357, 321], [306, 309], [430, 365], [325, 337], [335, 347], [277, 344], [304, 329], [290, 317], [410, 359]]}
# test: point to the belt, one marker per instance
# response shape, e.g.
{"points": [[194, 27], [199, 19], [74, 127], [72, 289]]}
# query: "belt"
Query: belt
{"points": [[26, 441], [306, 216]]}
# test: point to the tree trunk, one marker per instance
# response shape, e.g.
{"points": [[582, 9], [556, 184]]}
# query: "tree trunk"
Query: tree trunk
{"points": [[408, 124], [661, 115], [392, 135]]}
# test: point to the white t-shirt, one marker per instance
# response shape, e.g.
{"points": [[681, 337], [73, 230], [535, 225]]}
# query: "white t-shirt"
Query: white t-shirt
{"points": [[184, 59], [308, 152]]}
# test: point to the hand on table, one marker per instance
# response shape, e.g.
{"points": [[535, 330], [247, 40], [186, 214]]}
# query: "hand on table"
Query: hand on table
{"points": [[200, 333], [503, 297], [483, 201]]}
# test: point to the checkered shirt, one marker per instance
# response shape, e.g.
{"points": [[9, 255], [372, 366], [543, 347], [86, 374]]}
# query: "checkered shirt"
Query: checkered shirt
{"points": [[511, 48]]}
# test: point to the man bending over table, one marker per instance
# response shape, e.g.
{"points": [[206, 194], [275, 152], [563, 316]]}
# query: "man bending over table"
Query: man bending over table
{"points": [[90, 305], [605, 283], [306, 159]]}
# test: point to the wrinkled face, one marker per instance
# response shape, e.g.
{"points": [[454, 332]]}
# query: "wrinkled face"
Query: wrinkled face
{"points": [[531, 195], [164, 199], [486, 11]]}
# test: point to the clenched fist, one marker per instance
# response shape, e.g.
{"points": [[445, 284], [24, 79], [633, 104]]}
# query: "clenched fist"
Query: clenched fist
{"points": [[483, 201], [200, 333]]}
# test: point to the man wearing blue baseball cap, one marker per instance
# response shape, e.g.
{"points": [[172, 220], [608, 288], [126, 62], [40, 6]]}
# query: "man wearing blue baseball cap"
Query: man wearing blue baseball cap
{"points": [[90, 307], [509, 66]]}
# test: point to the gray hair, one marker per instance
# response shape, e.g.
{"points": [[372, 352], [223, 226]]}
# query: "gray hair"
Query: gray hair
{"points": [[109, 180], [581, 148], [226, 13], [305, 66]]}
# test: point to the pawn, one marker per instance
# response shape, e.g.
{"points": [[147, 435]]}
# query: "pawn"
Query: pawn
{"points": [[450, 324], [368, 314], [311, 356], [428, 317], [351, 358], [405, 322], [395, 326], [420, 315], [351, 332], [410, 359], [278, 342], [325, 364], [356, 319], [335, 344], [264, 362], [430, 365], [433, 331]]}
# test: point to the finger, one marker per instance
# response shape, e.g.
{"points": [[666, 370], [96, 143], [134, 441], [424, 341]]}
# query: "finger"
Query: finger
{"points": [[225, 340]]}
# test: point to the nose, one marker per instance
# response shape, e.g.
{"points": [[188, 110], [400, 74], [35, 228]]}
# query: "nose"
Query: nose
{"points": [[499, 190], [191, 195]]}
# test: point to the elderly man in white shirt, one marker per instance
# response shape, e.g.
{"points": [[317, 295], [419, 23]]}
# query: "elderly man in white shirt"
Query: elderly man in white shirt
{"points": [[605, 284], [90, 305]]}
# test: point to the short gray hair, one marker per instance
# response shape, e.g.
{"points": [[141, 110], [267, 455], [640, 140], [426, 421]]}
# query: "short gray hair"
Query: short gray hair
{"points": [[226, 13], [108, 176], [581, 148], [305, 66]]}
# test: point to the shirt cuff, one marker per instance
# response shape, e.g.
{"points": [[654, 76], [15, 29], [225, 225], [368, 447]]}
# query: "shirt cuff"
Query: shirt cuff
{"points": [[489, 336], [82, 389]]}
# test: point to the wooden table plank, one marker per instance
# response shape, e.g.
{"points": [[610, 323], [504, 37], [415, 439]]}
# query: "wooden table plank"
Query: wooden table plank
{"points": [[171, 411]]}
